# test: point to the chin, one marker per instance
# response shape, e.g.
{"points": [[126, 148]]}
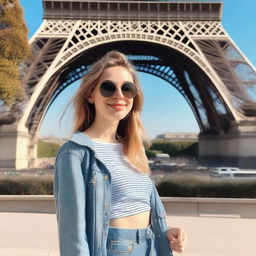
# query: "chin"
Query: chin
{"points": [[118, 117]]}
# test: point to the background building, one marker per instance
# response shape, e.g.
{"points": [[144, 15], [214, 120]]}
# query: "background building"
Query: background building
{"points": [[178, 136]]}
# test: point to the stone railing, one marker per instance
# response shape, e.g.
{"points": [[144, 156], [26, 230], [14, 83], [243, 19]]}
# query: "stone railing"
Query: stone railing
{"points": [[175, 206]]}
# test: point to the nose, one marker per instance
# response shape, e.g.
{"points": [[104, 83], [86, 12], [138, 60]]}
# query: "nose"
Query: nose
{"points": [[118, 93]]}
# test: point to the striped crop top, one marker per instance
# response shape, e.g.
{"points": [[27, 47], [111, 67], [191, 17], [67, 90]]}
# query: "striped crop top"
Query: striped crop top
{"points": [[130, 190]]}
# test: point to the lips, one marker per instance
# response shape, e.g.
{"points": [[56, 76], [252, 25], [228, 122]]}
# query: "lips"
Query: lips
{"points": [[117, 106], [114, 105]]}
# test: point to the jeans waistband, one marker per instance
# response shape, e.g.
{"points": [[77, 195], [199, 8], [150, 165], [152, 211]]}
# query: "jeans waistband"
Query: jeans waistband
{"points": [[136, 235]]}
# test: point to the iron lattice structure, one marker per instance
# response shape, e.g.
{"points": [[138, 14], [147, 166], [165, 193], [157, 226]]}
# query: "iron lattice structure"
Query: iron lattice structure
{"points": [[183, 43]]}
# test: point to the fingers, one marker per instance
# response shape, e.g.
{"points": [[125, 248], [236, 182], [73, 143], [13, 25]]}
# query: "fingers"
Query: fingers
{"points": [[178, 238], [176, 246]]}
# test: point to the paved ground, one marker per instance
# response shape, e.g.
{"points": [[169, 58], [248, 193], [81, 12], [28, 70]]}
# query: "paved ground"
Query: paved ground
{"points": [[35, 234]]}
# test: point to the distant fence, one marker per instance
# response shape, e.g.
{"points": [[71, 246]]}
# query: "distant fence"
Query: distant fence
{"points": [[175, 206]]}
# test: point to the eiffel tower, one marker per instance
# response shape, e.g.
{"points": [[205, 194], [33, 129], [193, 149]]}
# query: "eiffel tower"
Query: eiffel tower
{"points": [[182, 42]]}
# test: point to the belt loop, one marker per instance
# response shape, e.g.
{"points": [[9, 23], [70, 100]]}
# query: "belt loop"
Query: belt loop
{"points": [[138, 236]]}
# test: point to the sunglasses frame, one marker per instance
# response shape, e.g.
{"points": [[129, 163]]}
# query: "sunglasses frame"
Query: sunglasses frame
{"points": [[123, 92]]}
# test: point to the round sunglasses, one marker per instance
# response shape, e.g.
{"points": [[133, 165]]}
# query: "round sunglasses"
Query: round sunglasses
{"points": [[108, 88]]}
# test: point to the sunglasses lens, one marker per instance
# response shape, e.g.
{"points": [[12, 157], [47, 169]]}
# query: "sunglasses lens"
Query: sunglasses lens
{"points": [[129, 90], [107, 89]]}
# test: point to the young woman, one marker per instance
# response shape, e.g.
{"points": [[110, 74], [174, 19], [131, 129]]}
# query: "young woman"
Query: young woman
{"points": [[106, 203]]}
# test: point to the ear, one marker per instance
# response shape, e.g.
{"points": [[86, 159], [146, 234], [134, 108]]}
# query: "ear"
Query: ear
{"points": [[90, 99]]}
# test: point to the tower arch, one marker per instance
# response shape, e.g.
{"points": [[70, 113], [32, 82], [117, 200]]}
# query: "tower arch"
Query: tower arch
{"points": [[166, 64]]}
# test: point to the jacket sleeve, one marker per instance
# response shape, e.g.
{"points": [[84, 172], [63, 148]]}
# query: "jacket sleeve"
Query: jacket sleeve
{"points": [[70, 197], [160, 225]]}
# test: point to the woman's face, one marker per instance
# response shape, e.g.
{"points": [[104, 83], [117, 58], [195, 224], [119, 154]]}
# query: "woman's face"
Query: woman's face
{"points": [[117, 106]]}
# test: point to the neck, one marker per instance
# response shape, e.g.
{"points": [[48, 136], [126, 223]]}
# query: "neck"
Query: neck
{"points": [[104, 131]]}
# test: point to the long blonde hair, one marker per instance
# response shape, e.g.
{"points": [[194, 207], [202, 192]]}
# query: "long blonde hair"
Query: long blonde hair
{"points": [[130, 130]]}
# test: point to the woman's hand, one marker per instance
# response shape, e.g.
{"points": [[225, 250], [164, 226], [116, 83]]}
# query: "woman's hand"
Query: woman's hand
{"points": [[177, 239]]}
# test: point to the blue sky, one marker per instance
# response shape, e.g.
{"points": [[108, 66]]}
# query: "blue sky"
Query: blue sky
{"points": [[165, 110]]}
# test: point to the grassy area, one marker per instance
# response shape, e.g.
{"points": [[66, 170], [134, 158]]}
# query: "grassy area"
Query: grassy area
{"points": [[174, 148], [47, 149]]}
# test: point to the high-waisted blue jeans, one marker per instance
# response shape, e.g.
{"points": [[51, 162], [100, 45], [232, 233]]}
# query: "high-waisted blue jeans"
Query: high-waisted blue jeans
{"points": [[131, 242]]}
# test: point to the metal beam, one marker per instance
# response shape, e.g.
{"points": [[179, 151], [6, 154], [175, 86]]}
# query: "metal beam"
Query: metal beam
{"points": [[133, 10]]}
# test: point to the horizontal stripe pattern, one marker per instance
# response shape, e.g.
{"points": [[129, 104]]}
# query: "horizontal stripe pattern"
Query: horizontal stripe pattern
{"points": [[131, 190]]}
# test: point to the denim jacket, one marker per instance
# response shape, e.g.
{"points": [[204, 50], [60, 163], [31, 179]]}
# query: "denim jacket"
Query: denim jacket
{"points": [[82, 192]]}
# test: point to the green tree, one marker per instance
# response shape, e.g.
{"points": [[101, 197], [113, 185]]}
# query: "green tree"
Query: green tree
{"points": [[14, 49], [150, 153], [177, 148]]}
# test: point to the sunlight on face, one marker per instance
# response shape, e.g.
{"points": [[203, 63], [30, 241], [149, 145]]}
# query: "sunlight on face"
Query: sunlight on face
{"points": [[117, 106]]}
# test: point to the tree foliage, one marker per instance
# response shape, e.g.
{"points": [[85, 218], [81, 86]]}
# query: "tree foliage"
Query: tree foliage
{"points": [[177, 148], [14, 49], [150, 153]]}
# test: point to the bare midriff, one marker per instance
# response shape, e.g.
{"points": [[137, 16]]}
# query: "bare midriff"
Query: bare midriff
{"points": [[140, 220]]}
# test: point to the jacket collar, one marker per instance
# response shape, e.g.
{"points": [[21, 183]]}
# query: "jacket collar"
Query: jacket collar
{"points": [[82, 139]]}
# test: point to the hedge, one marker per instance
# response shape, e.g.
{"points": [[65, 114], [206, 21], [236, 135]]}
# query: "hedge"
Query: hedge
{"points": [[26, 186], [175, 187], [192, 187]]}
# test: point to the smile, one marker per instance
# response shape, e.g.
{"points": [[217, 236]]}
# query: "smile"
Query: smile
{"points": [[117, 106]]}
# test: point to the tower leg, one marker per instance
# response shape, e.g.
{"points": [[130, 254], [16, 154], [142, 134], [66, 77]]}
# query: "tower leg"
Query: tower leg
{"points": [[18, 149], [234, 150]]}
